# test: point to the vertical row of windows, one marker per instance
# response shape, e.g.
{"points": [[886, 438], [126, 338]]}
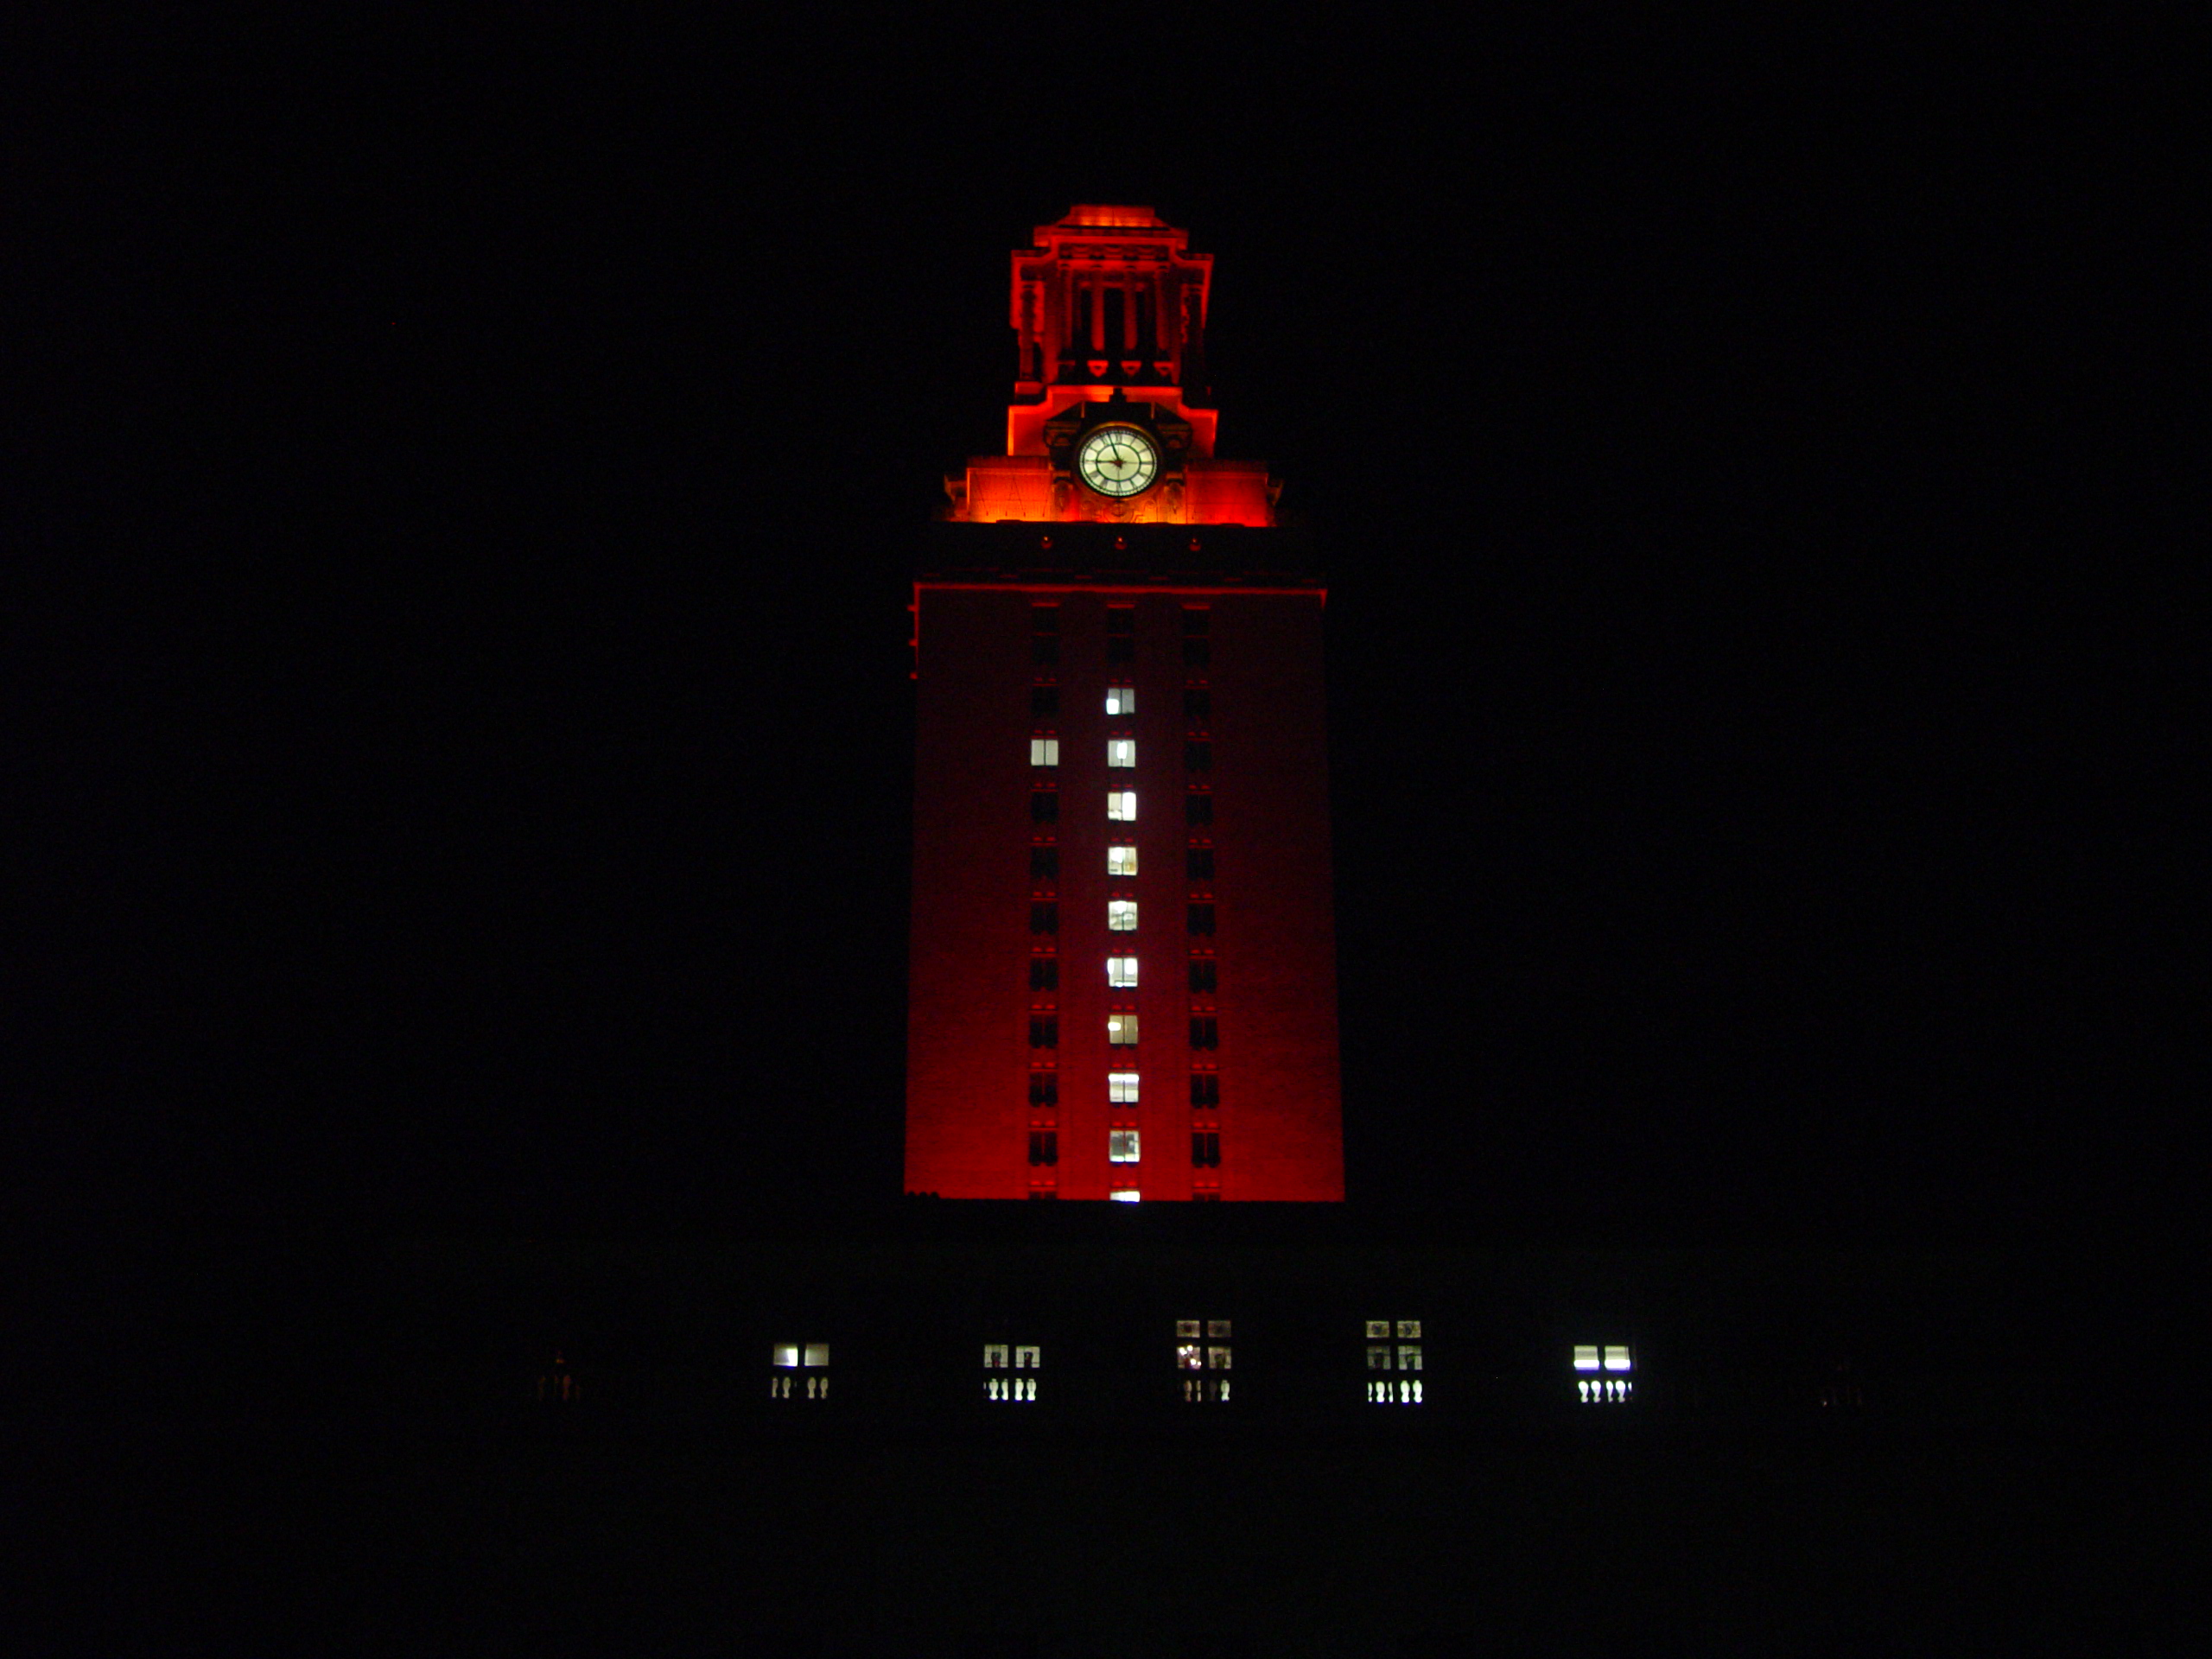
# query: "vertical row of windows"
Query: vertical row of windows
{"points": [[1200, 915]]}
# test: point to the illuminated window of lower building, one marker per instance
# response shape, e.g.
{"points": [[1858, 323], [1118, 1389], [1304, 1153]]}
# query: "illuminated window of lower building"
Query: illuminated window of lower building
{"points": [[1203, 1362], [1120, 699], [1121, 1030], [1044, 751], [1120, 752], [1121, 806], [1122, 1088], [1120, 861], [1393, 1368], [1604, 1373], [800, 1370], [1121, 915], [1125, 1195], [1122, 973], [1122, 1146]]}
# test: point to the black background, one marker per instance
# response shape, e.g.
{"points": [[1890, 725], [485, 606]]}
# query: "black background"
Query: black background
{"points": [[467, 474]]}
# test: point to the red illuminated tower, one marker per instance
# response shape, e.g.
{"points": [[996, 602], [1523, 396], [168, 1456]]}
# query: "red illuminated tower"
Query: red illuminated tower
{"points": [[1123, 962]]}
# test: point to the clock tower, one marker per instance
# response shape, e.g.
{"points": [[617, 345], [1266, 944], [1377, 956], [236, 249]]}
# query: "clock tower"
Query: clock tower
{"points": [[1123, 959]]}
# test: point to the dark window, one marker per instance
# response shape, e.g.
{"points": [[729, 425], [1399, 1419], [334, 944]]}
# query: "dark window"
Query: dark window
{"points": [[1044, 1087], [1198, 706], [1045, 1031], [1044, 649], [1198, 860], [1045, 919], [1202, 974], [1044, 973], [1201, 919], [1197, 620], [1044, 701], [1197, 757], [1196, 1198], [1043, 863], [1198, 653], [1044, 1147], [1043, 619], [1205, 1088], [1047, 1193], [1205, 1148], [1121, 634], [1197, 807], [1044, 806], [1206, 1031]]}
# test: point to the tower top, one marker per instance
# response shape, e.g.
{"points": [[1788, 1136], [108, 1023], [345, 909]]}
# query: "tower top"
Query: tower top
{"points": [[1111, 416]]}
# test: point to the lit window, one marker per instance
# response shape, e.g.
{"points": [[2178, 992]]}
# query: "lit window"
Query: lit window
{"points": [[1216, 1327], [1120, 861], [1188, 1328], [1120, 1030], [1617, 1358], [1125, 1195], [1044, 751], [1121, 1146], [1382, 1388], [1120, 752], [994, 1354], [1121, 915], [1122, 1088], [1029, 1359], [813, 1357], [1120, 699], [1585, 1356], [1122, 806], [1122, 973]]}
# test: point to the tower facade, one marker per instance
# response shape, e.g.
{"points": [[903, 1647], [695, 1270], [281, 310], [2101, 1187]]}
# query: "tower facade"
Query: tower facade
{"points": [[1124, 959]]}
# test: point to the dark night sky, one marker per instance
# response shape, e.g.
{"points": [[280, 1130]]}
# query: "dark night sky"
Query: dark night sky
{"points": [[469, 487]]}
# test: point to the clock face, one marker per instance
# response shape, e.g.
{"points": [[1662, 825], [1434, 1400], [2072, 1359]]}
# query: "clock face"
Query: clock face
{"points": [[1117, 460]]}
